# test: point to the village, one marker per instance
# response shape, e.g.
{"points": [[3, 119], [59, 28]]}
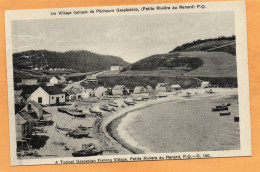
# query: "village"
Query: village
{"points": [[42, 112]]}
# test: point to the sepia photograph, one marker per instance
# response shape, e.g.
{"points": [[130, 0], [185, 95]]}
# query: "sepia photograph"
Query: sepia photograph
{"points": [[126, 82]]}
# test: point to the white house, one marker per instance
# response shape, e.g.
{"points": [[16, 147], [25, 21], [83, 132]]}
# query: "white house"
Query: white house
{"points": [[115, 68], [57, 80], [163, 87], [88, 93], [205, 84], [175, 87], [100, 91], [139, 90], [48, 95], [119, 90]]}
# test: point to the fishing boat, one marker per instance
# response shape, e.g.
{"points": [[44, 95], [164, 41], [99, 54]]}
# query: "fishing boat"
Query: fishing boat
{"points": [[88, 150], [162, 95], [144, 97], [72, 111], [105, 108], [187, 94], [226, 104], [63, 130], [220, 109], [224, 113], [220, 106], [138, 98], [94, 111], [78, 133], [114, 104], [129, 103]]}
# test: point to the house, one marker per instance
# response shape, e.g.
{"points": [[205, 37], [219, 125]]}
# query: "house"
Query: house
{"points": [[139, 90], [74, 93], [119, 90], [205, 84], [36, 68], [115, 68], [149, 88], [175, 87], [88, 93], [29, 82], [24, 125], [48, 95], [57, 80], [163, 87], [101, 91], [33, 107], [91, 79]]}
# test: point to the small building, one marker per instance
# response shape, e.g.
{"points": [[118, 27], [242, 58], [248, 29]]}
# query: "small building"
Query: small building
{"points": [[101, 91], [139, 90], [57, 80], [113, 68], [24, 125], [36, 68], [175, 87], [88, 93], [149, 88], [27, 92], [33, 107], [119, 90], [205, 84], [48, 95], [29, 82], [91, 79], [51, 69], [74, 93], [163, 87]]}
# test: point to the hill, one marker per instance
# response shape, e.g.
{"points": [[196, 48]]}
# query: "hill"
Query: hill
{"points": [[211, 60], [82, 61], [220, 44]]}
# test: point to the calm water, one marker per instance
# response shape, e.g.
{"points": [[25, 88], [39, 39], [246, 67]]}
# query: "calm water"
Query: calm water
{"points": [[182, 126]]}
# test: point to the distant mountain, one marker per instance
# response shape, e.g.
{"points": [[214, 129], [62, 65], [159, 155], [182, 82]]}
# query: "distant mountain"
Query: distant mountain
{"points": [[83, 61]]}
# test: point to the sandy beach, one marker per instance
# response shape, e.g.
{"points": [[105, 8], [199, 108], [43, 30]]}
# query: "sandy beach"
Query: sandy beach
{"points": [[109, 131]]}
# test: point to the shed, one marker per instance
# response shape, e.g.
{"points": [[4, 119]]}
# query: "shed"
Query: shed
{"points": [[149, 88], [119, 90], [163, 87], [101, 91], [139, 90], [175, 87], [205, 84]]}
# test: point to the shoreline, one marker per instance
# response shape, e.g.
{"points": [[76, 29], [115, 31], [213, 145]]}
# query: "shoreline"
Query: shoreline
{"points": [[110, 124]]}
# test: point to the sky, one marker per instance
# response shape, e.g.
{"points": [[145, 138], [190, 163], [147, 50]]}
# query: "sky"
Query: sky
{"points": [[131, 37]]}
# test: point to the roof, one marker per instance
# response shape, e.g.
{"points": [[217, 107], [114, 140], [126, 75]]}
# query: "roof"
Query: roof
{"points": [[74, 91], [118, 87], [26, 116], [19, 119], [17, 92], [29, 89], [52, 90], [163, 84], [36, 104], [139, 87], [205, 82], [175, 85]]}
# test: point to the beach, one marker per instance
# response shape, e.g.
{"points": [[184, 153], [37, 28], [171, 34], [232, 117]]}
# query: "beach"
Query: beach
{"points": [[149, 130], [127, 130]]}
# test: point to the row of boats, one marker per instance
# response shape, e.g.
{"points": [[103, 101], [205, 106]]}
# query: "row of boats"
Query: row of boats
{"points": [[221, 108]]}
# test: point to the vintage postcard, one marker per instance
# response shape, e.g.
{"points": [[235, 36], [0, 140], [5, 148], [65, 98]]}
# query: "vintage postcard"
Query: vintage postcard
{"points": [[128, 83]]}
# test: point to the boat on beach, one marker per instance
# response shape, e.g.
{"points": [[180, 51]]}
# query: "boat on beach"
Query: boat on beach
{"points": [[224, 113], [88, 150], [114, 104], [226, 104], [106, 108], [220, 109], [210, 91], [72, 111], [129, 103], [95, 111], [63, 130], [78, 133], [137, 98]]}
